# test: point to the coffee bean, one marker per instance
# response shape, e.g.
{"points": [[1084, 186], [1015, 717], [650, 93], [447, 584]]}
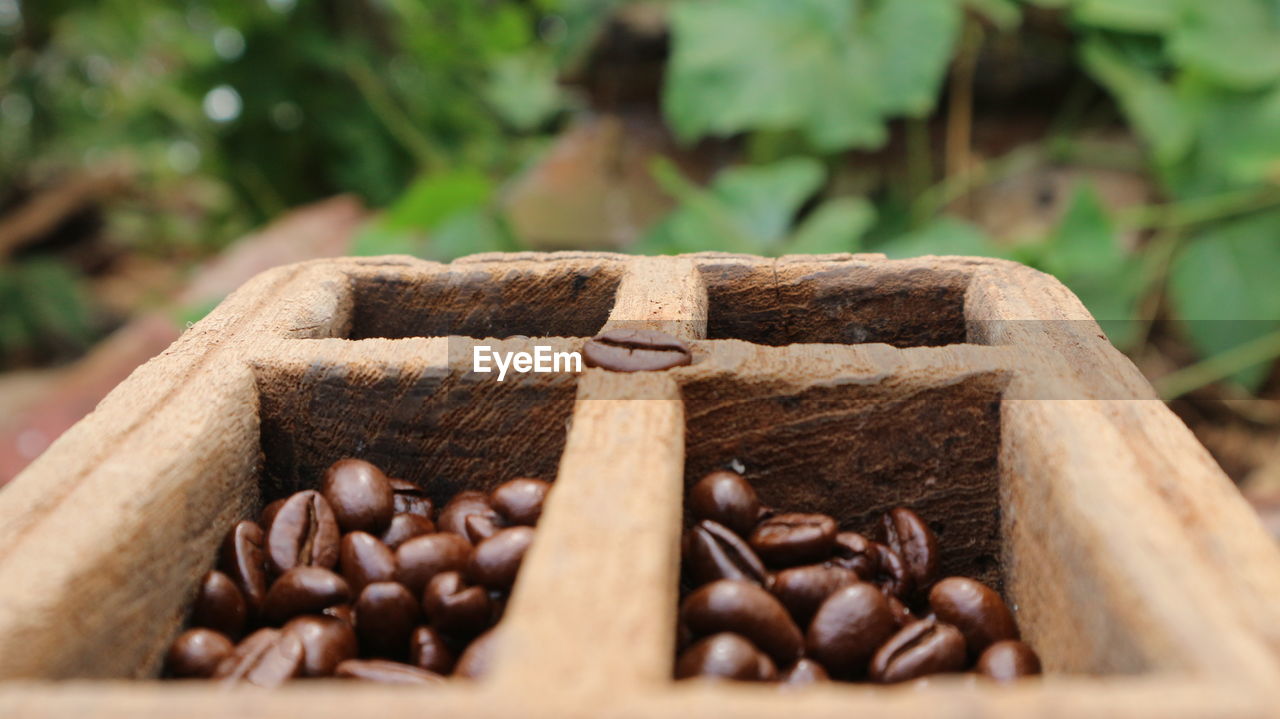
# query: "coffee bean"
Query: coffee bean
{"points": [[326, 642], [901, 614], [975, 609], [923, 647], [726, 656], [848, 628], [411, 499], [421, 558], [360, 496], [856, 552], [453, 606], [266, 658], [791, 539], [405, 527], [269, 513], [891, 572], [243, 559], [747, 609], [496, 560], [453, 518], [726, 498], [428, 650], [1007, 660], [520, 500], [712, 551], [803, 589], [912, 540], [304, 533], [477, 661], [804, 672], [196, 653], [304, 590], [342, 612], [385, 672], [635, 350], [385, 615], [364, 559], [480, 527], [219, 605]]}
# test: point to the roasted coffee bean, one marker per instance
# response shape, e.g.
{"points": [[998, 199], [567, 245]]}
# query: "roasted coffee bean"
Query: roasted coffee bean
{"points": [[304, 533], [520, 500], [304, 590], [912, 540], [848, 628], [726, 498], [1007, 660], [385, 672], [477, 661], [803, 672], [269, 513], [386, 613], [923, 647], [364, 559], [428, 650], [791, 539], [405, 527], [343, 612], [421, 558], [409, 498], [901, 614], [453, 606], [219, 605], [496, 561], [856, 552], [454, 516], [360, 496], [891, 572], [712, 551], [635, 350], [727, 656], [326, 642], [243, 559], [266, 658], [975, 609], [747, 609], [196, 653], [803, 589]]}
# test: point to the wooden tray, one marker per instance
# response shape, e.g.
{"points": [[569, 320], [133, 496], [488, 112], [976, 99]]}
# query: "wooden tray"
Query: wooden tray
{"points": [[979, 392]]}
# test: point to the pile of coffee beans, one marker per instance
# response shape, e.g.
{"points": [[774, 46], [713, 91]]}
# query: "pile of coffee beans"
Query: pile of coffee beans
{"points": [[787, 597], [362, 579]]}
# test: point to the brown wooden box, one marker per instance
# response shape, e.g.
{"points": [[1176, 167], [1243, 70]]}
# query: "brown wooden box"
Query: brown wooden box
{"points": [[979, 391]]}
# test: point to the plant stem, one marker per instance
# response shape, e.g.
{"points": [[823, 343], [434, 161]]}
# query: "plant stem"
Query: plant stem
{"points": [[1218, 367], [393, 118], [1198, 210]]}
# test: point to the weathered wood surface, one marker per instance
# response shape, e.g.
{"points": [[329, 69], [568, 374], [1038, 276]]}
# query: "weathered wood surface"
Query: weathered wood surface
{"points": [[977, 390]]}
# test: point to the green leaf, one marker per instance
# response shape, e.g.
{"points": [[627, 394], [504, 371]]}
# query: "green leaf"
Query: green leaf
{"points": [[914, 41], [469, 232], [836, 226], [1151, 16], [1232, 42], [523, 90], [1151, 105], [944, 236], [437, 196]]}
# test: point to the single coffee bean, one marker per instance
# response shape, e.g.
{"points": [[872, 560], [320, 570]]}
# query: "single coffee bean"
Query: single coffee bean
{"points": [[791, 539], [856, 552], [520, 500], [386, 614], [712, 551], [343, 612], [304, 590], [496, 560], [747, 609], [404, 527], [304, 533], [923, 647], [411, 499], [497, 600], [364, 559], [196, 653], [848, 628], [477, 661], [804, 672], [428, 650], [1007, 660], [360, 496], [912, 540], [243, 559], [726, 498], [269, 513], [635, 350], [726, 656], [454, 607], [219, 605], [803, 589], [421, 558], [975, 609], [266, 658], [326, 642], [453, 518], [901, 614], [385, 672], [891, 576]]}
